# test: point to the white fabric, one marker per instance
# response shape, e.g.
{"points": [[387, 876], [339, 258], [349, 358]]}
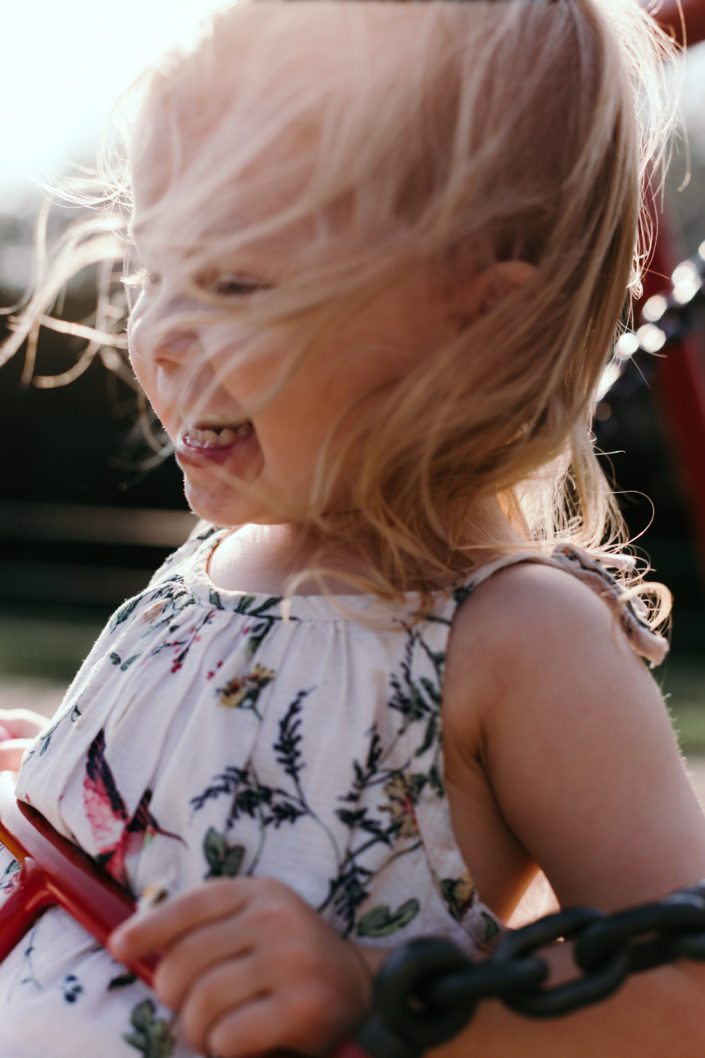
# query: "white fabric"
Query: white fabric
{"points": [[217, 733]]}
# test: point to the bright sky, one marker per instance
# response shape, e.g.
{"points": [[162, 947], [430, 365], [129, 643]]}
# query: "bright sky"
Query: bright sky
{"points": [[63, 64]]}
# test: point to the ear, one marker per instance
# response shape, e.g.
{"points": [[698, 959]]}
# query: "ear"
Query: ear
{"points": [[485, 290]]}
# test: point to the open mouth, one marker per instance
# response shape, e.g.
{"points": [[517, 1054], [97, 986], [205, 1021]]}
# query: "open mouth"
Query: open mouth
{"points": [[214, 436]]}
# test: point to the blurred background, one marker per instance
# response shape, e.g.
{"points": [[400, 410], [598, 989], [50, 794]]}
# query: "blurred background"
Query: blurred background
{"points": [[87, 510]]}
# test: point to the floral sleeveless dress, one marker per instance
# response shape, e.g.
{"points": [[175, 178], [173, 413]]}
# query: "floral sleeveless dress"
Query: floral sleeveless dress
{"points": [[212, 733]]}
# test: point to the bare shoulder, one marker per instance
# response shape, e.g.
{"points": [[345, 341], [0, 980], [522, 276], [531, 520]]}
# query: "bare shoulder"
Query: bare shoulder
{"points": [[533, 624], [573, 736], [537, 604]]}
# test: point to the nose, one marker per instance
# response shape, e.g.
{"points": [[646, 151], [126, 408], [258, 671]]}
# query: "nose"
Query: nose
{"points": [[155, 335], [175, 345]]}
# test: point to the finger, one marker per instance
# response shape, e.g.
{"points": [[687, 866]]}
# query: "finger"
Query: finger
{"points": [[262, 1026], [227, 990], [222, 1012], [251, 1030], [11, 753], [22, 723], [159, 928], [196, 952]]}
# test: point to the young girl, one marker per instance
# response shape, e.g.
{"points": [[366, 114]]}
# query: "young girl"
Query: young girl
{"points": [[383, 250]]}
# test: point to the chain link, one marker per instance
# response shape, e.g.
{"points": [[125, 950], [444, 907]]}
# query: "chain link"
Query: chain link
{"points": [[427, 991]]}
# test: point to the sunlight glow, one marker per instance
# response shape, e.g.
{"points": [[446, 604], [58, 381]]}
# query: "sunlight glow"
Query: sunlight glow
{"points": [[63, 66]]}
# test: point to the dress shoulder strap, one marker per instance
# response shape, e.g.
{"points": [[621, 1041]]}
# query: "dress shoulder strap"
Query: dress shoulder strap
{"points": [[629, 609]]}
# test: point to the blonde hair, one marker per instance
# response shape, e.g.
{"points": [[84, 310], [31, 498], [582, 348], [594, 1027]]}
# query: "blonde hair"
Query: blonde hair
{"points": [[452, 137]]}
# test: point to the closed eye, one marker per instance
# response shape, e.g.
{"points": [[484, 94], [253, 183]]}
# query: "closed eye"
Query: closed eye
{"points": [[226, 285], [234, 285]]}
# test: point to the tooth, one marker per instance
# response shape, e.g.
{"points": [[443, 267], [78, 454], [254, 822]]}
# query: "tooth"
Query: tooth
{"points": [[219, 436]]}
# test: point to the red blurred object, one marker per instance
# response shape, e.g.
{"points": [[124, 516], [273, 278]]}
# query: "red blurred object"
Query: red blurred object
{"points": [[350, 1049], [53, 871], [673, 15], [680, 381], [680, 389]]}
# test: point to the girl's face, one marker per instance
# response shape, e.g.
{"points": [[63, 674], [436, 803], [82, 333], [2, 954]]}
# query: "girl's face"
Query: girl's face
{"points": [[248, 432]]}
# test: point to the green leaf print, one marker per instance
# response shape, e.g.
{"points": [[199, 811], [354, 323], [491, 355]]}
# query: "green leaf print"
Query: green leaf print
{"points": [[244, 603], [462, 593], [223, 860], [458, 894], [215, 600], [432, 689], [123, 613], [126, 664], [380, 921], [430, 736], [491, 927], [143, 1015], [45, 738], [416, 785], [152, 1035], [436, 781]]}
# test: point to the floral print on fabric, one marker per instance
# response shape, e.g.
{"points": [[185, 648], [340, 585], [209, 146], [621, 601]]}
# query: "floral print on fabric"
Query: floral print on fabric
{"points": [[116, 835], [212, 734]]}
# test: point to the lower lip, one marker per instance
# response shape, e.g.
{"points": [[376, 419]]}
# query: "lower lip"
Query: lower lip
{"points": [[191, 453]]}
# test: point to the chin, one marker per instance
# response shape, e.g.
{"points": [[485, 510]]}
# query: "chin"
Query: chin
{"points": [[217, 509], [229, 511]]}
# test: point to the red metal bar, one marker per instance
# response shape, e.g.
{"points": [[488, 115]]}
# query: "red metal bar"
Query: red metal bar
{"points": [[350, 1049], [56, 872], [680, 390], [23, 907], [684, 19]]}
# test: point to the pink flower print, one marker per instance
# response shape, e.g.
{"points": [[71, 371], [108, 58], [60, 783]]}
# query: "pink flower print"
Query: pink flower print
{"points": [[10, 878], [115, 834]]}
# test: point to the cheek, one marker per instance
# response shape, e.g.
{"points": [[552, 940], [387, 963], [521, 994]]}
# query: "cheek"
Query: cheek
{"points": [[143, 365], [134, 328], [257, 382]]}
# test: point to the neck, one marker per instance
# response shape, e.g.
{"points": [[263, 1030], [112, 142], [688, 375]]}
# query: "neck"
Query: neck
{"points": [[265, 558]]}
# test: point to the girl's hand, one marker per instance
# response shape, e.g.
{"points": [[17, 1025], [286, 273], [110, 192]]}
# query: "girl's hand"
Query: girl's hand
{"points": [[250, 967], [18, 728]]}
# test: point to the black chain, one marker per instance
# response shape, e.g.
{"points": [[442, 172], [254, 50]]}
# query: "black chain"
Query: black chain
{"points": [[427, 991]]}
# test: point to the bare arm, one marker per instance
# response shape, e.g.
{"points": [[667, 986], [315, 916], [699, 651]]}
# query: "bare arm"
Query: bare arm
{"points": [[572, 735]]}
